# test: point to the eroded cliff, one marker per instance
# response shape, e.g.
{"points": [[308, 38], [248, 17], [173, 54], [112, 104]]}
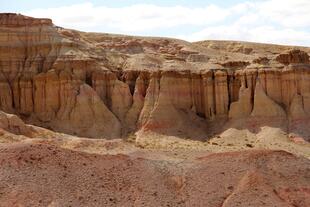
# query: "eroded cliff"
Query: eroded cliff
{"points": [[110, 86]]}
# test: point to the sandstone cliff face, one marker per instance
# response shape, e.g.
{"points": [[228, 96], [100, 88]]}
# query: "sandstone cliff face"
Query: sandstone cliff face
{"points": [[108, 86]]}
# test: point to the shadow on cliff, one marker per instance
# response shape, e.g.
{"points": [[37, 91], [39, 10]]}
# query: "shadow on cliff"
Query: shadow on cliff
{"points": [[200, 129], [255, 124]]}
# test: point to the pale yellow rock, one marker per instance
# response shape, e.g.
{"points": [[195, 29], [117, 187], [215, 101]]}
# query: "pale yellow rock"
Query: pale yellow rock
{"points": [[151, 97], [121, 99], [138, 101], [103, 84], [273, 85], [178, 89], [264, 106], [68, 90], [243, 107], [166, 119], [14, 124], [91, 118]]}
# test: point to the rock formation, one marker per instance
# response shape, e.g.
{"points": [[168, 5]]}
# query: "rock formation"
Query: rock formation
{"points": [[264, 106], [100, 85], [243, 107], [174, 123], [14, 124]]}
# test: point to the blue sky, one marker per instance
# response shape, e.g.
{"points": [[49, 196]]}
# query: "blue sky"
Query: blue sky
{"points": [[269, 21]]}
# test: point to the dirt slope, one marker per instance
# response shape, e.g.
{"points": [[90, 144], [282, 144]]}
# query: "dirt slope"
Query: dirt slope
{"points": [[46, 175]]}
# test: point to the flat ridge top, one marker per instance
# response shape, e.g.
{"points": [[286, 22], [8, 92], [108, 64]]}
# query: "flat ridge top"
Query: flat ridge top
{"points": [[19, 20]]}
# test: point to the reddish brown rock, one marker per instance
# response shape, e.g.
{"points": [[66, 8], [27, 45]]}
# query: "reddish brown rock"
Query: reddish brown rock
{"points": [[293, 56]]}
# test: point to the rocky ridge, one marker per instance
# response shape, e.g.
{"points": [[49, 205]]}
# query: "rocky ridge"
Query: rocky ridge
{"points": [[110, 86]]}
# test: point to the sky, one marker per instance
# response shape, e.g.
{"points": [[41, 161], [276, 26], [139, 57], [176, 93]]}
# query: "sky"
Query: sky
{"points": [[267, 21]]}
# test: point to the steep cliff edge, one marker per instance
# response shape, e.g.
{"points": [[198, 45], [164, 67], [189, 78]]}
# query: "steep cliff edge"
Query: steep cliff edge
{"points": [[109, 86]]}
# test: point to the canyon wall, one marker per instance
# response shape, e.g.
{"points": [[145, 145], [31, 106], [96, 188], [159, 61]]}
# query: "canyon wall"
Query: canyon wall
{"points": [[53, 77]]}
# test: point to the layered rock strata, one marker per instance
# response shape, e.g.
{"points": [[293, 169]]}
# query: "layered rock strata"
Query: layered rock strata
{"points": [[106, 86]]}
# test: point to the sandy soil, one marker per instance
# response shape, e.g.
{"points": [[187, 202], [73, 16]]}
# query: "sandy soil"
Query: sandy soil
{"points": [[34, 174]]}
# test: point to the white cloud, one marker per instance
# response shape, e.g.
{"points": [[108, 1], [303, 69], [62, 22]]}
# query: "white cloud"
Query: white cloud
{"points": [[139, 17], [272, 21], [263, 34], [290, 13]]}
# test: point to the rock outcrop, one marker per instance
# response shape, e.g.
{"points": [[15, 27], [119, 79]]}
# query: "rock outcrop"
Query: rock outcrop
{"points": [[99, 85], [265, 106], [299, 121], [90, 117], [243, 107], [293, 56], [14, 125]]}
